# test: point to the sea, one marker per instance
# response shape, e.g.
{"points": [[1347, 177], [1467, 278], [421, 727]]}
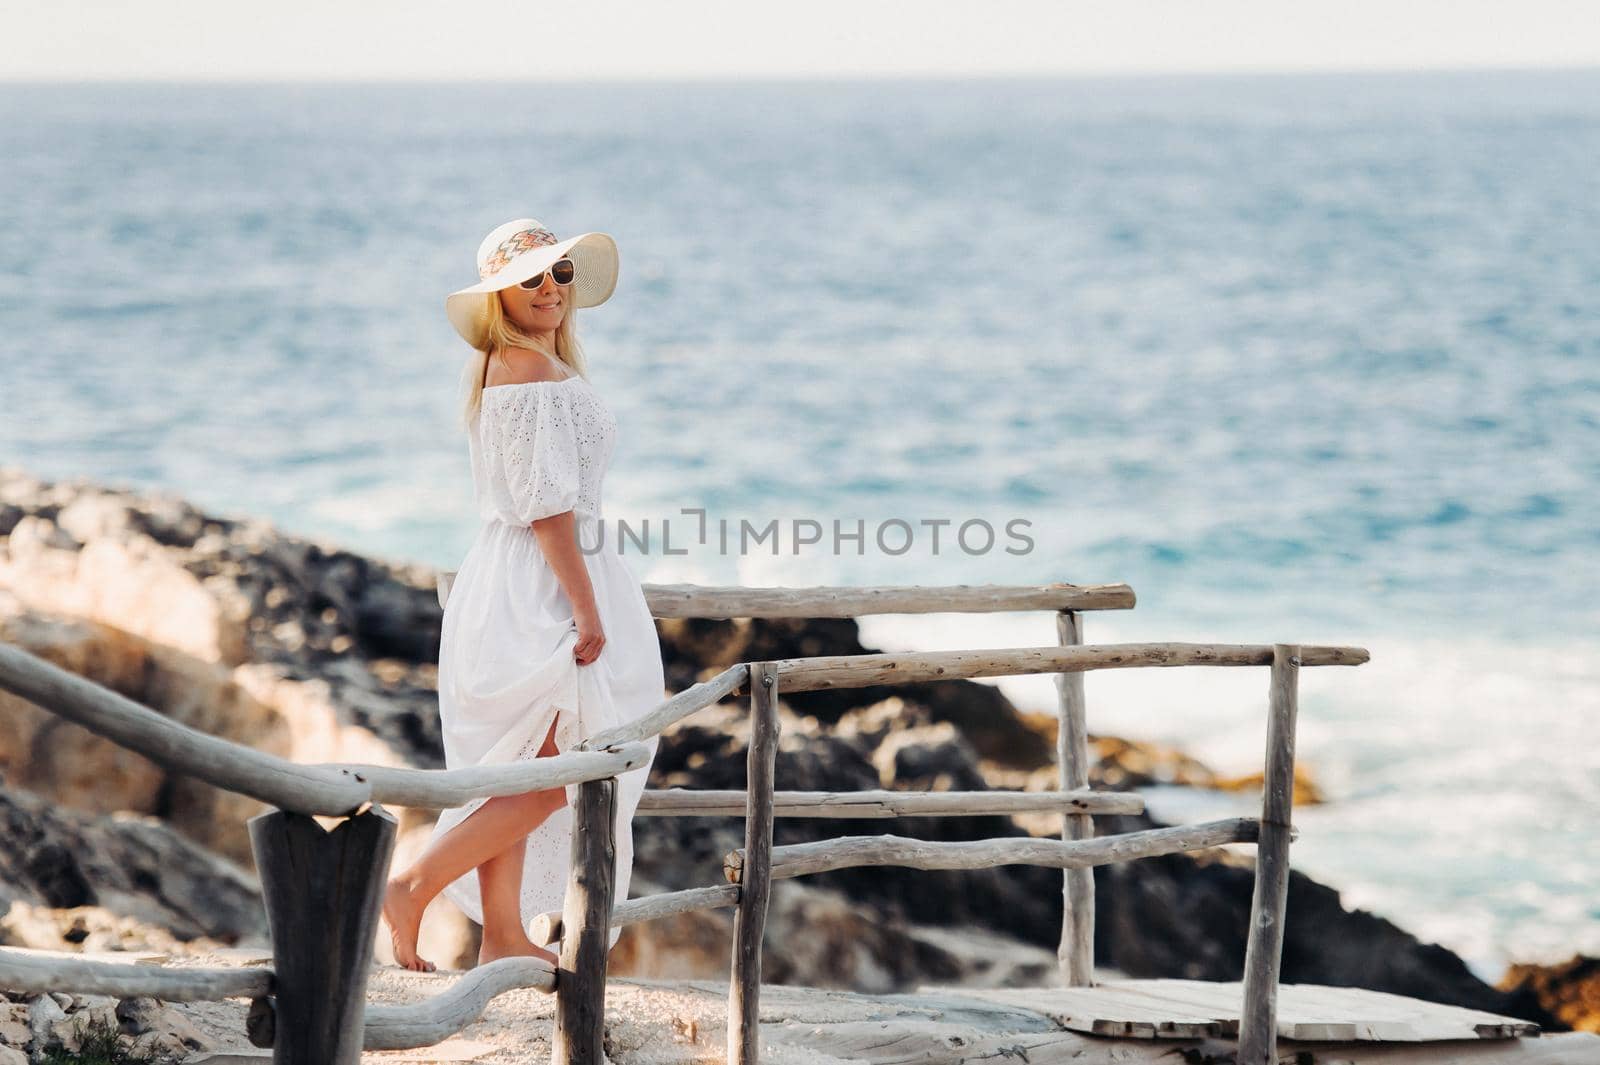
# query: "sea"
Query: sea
{"points": [[1299, 358]]}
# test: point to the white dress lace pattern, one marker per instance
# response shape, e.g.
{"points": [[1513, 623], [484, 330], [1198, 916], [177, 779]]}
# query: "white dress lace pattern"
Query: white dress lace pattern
{"points": [[545, 450], [506, 667]]}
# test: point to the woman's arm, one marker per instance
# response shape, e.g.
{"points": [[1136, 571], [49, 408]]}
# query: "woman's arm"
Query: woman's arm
{"points": [[558, 539]]}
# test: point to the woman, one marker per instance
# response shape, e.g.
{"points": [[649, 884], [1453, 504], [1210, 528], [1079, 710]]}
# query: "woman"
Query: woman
{"points": [[545, 640]]}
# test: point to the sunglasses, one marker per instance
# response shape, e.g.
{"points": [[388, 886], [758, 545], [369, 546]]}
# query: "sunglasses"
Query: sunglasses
{"points": [[562, 271]]}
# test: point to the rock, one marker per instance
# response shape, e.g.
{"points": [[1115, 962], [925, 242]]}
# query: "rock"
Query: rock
{"points": [[1130, 764], [928, 758], [65, 1034], [255, 705], [137, 868], [139, 1014], [694, 649], [14, 1030], [709, 751], [1570, 990], [273, 641], [77, 1030], [43, 1013], [12, 1056], [821, 938], [93, 516], [88, 928], [33, 535], [1306, 792], [173, 1033]]}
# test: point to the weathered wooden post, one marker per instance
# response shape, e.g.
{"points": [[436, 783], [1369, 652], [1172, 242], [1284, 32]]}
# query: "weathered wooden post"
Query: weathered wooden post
{"points": [[1258, 1025], [322, 891], [755, 876], [586, 928], [1076, 950]]}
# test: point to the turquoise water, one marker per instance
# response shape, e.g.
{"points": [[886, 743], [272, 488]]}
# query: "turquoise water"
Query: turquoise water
{"points": [[1300, 358]]}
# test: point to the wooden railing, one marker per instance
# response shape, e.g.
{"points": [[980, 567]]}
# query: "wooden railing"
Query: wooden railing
{"points": [[322, 889]]}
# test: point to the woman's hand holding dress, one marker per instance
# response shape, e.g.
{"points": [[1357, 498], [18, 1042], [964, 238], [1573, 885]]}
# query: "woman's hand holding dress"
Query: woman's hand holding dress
{"points": [[558, 540], [591, 636]]}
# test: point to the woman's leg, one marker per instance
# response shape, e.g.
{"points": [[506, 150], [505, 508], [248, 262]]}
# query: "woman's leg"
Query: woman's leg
{"points": [[491, 829], [500, 887]]}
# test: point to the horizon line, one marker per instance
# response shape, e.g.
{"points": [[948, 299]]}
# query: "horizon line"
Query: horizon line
{"points": [[1143, 74]]}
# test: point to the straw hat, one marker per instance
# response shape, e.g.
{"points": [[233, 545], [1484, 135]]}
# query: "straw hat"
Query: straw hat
{"points": [[517, 250]]}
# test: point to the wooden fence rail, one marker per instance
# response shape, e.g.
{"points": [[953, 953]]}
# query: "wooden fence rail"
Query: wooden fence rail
{"points": [[695, 601], [546, 928], [31, 973], [861, 671], [329, 789], [693, 802], [309, 1005], [846, 852]]}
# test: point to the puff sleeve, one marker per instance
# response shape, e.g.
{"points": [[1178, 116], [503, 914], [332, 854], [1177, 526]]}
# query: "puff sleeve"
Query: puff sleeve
{"points": [[534, 454]]}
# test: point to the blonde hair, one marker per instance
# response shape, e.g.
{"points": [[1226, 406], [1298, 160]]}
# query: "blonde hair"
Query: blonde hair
{"points": [[499, 332]]}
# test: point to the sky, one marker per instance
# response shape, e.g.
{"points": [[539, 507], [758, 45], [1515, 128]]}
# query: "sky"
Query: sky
{"points": [[471, 40]]}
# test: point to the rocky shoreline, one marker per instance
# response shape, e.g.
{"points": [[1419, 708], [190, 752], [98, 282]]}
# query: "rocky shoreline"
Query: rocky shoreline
{"points": [[319, 654]]}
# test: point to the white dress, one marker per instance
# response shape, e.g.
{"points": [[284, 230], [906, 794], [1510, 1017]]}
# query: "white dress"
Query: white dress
{"points": [[506, 666]]}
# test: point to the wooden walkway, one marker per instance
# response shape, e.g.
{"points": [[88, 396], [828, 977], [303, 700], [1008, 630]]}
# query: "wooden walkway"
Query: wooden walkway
{"points": [[1119, 1021], [1199, 1009]]}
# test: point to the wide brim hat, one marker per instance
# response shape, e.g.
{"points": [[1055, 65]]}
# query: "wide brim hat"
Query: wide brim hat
{"points": [[514, 252]]}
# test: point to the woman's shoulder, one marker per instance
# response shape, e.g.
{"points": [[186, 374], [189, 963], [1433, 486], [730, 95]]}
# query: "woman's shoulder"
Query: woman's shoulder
{"points": [[524, 366]]}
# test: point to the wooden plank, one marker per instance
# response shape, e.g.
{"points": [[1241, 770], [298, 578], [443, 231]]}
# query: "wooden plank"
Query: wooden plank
{"points": [[698, 601], [1258, 1027], [1305, 1011], [445, 789], [686, 703], [755, 886], [579, 1035], [404, 1026], [706, 802], [330, 790], [1171, 1008], [906, 667], [1075, 952], [37, 971], [546, 928], [450, 1050], [843, 852], [903, 1042], [1569, 1048], [737, 601], [1224, 1000], [123, 957], [1430, 1020], [1223, 1011], [322, 890], [1099, 1010]]}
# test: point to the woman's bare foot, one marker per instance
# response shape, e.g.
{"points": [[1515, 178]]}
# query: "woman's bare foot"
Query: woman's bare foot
{"points": [[404, 915], [517, 947]]}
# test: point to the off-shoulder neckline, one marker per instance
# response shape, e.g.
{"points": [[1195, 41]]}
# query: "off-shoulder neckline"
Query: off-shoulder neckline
{"points": [[520, 384]]}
